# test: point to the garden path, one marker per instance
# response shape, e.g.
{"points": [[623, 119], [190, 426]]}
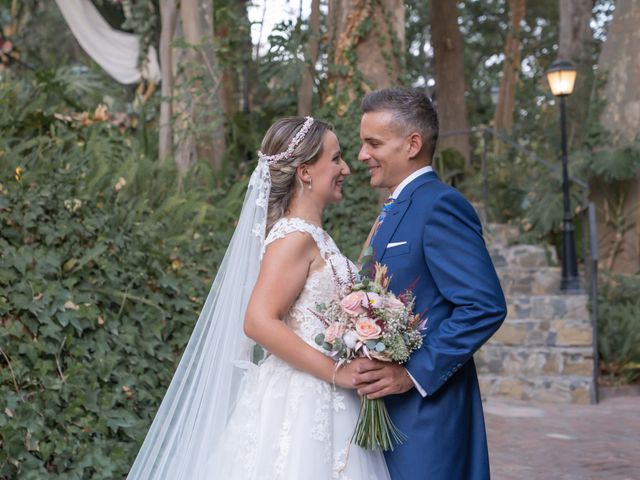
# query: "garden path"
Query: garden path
{"points": [[530, 440]]}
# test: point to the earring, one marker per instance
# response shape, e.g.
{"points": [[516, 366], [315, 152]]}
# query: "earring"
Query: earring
{"points": [[309, 183]]}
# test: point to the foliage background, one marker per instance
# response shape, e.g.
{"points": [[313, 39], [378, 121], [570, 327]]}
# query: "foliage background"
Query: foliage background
{"points": [[104, 267], [106, 258]]}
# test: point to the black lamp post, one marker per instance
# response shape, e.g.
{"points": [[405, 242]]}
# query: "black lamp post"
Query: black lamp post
{"points": [[562, 77]]}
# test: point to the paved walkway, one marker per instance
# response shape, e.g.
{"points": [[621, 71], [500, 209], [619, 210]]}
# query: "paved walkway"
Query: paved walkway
{"points": [[564, 442]]}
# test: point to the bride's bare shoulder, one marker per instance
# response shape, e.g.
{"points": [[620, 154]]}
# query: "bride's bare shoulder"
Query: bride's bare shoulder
{"points": [[294, 247]]}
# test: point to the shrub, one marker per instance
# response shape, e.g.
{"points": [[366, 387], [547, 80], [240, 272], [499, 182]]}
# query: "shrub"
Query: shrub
{"points": [[619, 329], [104, 267]]}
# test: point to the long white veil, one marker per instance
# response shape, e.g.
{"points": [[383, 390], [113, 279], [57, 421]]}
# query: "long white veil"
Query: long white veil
{"points": [[197, 405]]}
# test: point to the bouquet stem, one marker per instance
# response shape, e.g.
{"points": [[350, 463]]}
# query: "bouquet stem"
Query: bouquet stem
{"points": [[375, 428]]}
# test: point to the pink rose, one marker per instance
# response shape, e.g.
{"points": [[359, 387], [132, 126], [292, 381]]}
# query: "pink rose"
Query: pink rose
{"points": [[334, 331], [354, 303], [394, 302], [367, 329]]}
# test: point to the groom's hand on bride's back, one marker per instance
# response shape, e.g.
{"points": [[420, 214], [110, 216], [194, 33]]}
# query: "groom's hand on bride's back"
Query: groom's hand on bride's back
{"points": [[376, 379]]}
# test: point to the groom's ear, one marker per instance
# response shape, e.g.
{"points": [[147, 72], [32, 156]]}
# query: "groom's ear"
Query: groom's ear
{"points": [[414, 141]]}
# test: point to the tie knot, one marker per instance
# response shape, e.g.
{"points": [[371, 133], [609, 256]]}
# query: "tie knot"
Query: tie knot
{"points": [[390, 201]]}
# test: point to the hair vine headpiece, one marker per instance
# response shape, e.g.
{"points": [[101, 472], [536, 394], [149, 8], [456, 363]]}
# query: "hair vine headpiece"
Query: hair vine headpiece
{"points": [[273, 159]]}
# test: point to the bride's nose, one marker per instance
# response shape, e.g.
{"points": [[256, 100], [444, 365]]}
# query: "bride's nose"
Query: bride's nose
{"points": [[345, 169]]}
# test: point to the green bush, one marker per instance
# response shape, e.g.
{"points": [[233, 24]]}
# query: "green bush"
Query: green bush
{"points": [[104, 267], [619, 329]]}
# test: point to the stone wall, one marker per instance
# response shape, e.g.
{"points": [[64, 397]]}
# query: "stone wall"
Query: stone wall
{"points": [[544, 349]]}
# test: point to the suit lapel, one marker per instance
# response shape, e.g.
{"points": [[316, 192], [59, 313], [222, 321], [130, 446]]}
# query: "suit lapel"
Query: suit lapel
{"points": [[394, 217], [388, 227]]}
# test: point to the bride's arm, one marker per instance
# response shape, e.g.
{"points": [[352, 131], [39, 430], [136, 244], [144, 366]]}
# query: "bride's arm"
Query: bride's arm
{"points": [[284, 270]]}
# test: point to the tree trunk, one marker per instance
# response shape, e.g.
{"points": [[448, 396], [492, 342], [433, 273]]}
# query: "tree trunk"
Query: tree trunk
{"points": [[230, 80], [575, 32], [619, 63], [233, 35], [367, 43], [450, 89], [201, 119], [576, 44], [503, 120], [168, 15], [305, 93]]}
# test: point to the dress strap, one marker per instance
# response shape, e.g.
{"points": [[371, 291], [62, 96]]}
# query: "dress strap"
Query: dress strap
{"points": [[285, 226]]}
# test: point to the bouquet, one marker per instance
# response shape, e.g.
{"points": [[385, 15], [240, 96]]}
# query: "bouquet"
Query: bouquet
{"points": [[367, 320]]}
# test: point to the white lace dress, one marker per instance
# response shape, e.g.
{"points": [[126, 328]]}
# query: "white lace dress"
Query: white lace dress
{"points": [[289, 425]]}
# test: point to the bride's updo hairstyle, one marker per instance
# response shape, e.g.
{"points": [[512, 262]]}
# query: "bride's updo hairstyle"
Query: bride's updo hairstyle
{"points": [[283, 171]]}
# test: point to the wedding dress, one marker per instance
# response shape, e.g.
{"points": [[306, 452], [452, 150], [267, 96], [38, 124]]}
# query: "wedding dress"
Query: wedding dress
{"points": [[225, 418], [287, 424]]}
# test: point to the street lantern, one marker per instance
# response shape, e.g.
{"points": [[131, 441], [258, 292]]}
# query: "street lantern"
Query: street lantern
{"points": [[562, 78]]}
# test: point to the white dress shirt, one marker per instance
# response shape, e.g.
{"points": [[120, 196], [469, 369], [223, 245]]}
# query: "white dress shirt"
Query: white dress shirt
{"points": [[395, 195], [409, 179]]}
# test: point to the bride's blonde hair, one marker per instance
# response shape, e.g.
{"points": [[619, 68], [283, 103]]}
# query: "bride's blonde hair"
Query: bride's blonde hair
{"points": [[283, 172]]}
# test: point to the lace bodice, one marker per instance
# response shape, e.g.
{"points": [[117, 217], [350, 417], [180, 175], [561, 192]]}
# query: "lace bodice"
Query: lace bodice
{"points": [[322, 286]]}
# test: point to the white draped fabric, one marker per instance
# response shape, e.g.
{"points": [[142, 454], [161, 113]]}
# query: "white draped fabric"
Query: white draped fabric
{"points": [[115, 51]]}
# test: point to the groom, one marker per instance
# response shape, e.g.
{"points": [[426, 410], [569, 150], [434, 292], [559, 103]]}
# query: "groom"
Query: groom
{"points": [[430, 238]]}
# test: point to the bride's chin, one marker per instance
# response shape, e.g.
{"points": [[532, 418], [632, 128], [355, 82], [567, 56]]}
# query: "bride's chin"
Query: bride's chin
{"points": [[337, 198]]}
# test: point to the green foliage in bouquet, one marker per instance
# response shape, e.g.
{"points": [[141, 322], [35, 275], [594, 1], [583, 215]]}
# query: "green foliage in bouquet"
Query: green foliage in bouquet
{"points": [[104, 266]]}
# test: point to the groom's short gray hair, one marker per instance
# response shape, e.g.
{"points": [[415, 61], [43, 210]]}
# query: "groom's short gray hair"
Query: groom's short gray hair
{"points": [[412, 110]]}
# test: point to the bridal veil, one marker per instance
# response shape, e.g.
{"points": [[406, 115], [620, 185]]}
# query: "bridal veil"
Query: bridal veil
{"points": [[204, 389]]}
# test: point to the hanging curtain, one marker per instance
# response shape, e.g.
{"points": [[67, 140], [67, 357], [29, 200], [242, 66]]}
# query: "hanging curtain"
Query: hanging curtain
{"points": [[115, 51]]}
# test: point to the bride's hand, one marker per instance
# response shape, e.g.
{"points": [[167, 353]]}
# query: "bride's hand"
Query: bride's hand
{"points": [[344, 376]]}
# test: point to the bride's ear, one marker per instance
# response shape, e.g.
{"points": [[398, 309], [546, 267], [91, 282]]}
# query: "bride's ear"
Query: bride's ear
{"points": [[303, 174]]}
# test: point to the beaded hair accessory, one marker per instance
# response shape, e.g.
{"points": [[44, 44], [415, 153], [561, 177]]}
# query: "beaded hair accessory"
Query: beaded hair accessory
{"points": [[273, 159]]}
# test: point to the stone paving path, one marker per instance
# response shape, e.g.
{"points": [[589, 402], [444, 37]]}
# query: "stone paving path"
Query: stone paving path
{"points": [[564, 442]]}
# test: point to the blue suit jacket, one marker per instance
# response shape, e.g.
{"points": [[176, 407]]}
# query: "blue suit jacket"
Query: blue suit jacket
{"points": [[446, 264]]}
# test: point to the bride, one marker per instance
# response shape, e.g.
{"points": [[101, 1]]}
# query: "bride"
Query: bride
{"points": [[292, 415]]}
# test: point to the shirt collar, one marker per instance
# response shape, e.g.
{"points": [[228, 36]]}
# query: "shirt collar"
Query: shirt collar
{"points": [[396, 193]]}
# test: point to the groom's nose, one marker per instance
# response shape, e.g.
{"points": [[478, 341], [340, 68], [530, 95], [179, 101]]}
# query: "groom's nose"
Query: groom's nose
{"points": [[363, 154]]}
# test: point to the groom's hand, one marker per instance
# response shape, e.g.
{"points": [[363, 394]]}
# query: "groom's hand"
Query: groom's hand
{"points": [[375, 379]]}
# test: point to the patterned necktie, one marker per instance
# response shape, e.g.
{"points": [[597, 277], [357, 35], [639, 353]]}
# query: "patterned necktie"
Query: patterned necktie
{"points": [[383, 214]]}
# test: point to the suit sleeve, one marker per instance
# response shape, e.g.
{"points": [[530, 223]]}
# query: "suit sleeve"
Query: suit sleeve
{"points": [[463, 272]]}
